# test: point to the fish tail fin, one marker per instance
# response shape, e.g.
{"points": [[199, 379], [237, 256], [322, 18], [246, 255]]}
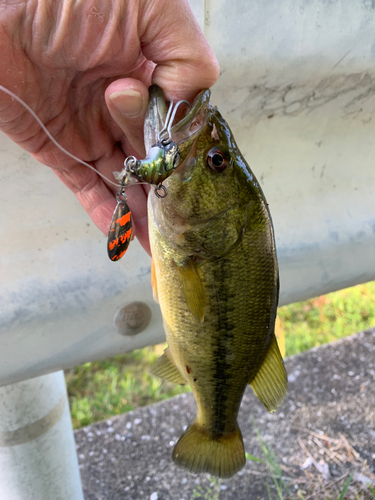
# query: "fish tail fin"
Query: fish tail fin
{"points": [[198, 451]]}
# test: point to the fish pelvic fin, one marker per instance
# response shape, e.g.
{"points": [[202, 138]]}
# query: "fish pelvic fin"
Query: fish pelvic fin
{"points": [[271, 383], [166, 368], [198, 451]]}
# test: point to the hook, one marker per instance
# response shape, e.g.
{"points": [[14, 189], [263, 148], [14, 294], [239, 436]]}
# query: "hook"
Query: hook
{"points": [[169, 121]]}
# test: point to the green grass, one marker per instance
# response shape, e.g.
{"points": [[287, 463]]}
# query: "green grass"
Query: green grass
{"points": [[102, 389], [317, 321], [210, 492]]}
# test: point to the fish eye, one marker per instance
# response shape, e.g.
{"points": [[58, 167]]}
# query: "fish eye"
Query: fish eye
{"points": [[217, 159]]}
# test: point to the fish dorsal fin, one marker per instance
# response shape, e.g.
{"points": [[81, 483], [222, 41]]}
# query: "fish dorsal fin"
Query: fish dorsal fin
{"points": [[193, 288], [166, 368], [270, 383], [154, 283]]}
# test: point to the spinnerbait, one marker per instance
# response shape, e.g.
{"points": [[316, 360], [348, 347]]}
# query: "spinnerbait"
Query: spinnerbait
{"points": [[121, 228], [161, 160]]}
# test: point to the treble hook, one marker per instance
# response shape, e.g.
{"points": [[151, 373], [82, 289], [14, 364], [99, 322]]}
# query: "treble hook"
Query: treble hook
{"points": [[169, 122]]}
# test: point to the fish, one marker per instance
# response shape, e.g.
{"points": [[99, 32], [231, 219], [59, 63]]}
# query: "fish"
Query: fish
{"points": [[215, 276]]}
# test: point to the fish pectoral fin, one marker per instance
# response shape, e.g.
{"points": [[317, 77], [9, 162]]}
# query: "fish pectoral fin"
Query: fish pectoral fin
{"points": [[166, 368], [154, 283], [270, 383], [193, 288]]}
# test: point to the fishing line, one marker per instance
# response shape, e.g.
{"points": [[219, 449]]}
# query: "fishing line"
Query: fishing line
{"points": [[50, 136]]}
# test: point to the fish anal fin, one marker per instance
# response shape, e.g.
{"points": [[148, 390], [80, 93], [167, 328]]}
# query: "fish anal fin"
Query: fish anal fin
{"points": [[193, 288], [166, 368], [270, 383], [198, 451], [154, 283]]}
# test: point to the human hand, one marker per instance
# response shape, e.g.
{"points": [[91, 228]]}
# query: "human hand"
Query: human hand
{"points": [[85, 67]]}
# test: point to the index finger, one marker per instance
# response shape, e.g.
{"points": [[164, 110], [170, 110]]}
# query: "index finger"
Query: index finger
{"points": [[185, 62]]}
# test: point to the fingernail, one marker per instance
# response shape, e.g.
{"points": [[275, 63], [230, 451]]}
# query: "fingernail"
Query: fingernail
{"points": [[128, 102]]}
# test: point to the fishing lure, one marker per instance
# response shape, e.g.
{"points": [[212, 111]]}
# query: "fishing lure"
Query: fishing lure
{"points": [[121, 228], [161, 160]]}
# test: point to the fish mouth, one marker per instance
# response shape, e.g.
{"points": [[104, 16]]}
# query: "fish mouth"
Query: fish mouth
{"points": [[194, 121], [186, 132], [182, 131]]}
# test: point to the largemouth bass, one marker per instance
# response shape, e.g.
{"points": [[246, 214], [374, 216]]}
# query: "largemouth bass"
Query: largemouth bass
{"points": [[215, 276]]}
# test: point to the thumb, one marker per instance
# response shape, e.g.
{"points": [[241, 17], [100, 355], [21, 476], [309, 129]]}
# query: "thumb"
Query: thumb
{"points": [[127, 101], [185, 62]]}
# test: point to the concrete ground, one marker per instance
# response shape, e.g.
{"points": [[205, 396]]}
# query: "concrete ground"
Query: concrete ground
{"points": [[324, 431]]}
